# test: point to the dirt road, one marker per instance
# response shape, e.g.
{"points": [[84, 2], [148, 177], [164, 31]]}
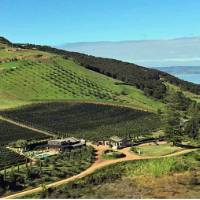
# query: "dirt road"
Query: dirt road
{"points": [[99, 163], [25, 126]]}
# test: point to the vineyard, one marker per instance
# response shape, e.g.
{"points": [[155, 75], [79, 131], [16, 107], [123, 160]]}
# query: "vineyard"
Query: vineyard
{"points": [[87, 120], [8, 158], [57, 78], [47, 170], [10, 132]]}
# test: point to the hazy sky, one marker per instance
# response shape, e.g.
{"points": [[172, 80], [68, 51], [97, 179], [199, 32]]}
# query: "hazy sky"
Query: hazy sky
{"points": [[149, 53], [56, 22]]}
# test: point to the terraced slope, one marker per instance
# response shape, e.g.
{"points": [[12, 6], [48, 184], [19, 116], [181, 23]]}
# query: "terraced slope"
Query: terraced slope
{"points": [[35, 76], [87, 120]]}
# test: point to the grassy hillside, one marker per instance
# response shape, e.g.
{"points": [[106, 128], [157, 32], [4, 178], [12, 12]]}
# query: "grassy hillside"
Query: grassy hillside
{"points": [[148, 80], [87, 120], [27, 76], [171, 88]]}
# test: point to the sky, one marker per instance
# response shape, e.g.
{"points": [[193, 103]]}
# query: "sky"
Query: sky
{"points": [[55, 22]]}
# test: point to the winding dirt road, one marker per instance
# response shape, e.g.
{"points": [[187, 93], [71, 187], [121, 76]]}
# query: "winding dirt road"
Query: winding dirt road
{"points": [[99, 163]]}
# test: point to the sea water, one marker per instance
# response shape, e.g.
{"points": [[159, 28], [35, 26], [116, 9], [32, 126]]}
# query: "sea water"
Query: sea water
{"points": [[194, 78]]}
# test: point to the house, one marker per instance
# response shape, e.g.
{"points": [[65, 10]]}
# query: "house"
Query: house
{"points": [[115, 142], [65, 144], [118, 143]]}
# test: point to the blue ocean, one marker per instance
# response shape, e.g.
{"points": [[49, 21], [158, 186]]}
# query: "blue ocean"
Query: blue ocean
{"points": [[190, 73], [195, 78]]}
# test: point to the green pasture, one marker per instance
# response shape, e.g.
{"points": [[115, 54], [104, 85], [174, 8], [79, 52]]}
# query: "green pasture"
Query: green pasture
{"points": [[155, 149]]}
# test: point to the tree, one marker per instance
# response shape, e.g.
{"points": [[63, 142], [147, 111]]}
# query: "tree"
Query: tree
{"points": [[159, 111], [5, 173], [44, 191], [192, 127], [173, 129], [178, 101], [21, 143], [2, 180], [193, 108]]}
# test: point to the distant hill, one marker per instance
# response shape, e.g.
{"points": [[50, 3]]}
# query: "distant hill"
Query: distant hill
{"points": [[4, 41], [149, 53]]}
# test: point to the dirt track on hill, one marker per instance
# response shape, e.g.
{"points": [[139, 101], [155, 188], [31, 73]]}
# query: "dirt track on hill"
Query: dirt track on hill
{"points": [[99, 163], [25, 126]]}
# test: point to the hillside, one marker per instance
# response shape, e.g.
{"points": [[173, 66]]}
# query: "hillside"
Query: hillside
{"points": [[46, 92], [30, 75], [148, 80], [4, 41]]}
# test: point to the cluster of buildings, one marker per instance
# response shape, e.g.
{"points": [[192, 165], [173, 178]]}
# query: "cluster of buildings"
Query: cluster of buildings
{"points": [[70, 143]]}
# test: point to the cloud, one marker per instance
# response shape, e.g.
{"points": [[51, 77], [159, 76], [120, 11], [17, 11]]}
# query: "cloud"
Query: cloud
{"points": [[182, 51], [169, 60]]}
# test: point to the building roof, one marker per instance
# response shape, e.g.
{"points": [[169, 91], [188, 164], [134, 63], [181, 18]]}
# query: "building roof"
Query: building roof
{"points": [[64, 143], [116, 139], [63, 146], [69, 139]]}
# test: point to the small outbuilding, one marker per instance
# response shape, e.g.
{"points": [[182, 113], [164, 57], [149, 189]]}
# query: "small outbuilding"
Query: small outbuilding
{"points": [[115, 142], [118, 143]]}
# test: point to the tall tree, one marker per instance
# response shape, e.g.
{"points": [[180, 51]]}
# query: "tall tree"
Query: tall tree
{"points": [[173, 129]]}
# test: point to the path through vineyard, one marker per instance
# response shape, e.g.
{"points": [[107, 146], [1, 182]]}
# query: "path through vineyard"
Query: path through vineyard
{"points": [[99, 163], [25, 126]]}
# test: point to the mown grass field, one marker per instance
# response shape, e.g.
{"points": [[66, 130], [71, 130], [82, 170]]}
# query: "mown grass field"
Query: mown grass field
{"points": [[155, 150], [137, 179], [86, 120], [50, 77]]}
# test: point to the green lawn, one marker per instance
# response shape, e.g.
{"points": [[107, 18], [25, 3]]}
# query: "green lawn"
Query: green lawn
{"points": [[155, 150]]}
